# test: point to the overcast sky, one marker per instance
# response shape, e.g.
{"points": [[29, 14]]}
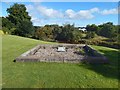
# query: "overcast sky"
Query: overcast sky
{"points": [[79, 13]]}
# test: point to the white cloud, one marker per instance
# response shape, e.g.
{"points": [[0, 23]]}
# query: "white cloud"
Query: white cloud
{"points": [[94, 10], [29, 7], [82, 14], [33, 13], [70, 13], [42, 15], [37, 21], [110, 11], [85, 14], [34, 19], [52, 13], [49, 12]]}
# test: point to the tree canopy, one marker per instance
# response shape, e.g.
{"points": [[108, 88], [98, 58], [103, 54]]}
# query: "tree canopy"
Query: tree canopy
{"points": [[20, 18]]}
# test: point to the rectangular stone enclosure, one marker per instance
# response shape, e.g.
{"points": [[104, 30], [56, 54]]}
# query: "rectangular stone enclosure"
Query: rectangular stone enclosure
{"points": [[73, 53]]}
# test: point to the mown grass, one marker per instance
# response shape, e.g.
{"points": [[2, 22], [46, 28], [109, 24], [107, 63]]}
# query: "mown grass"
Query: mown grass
{"points": [[54, 75]]}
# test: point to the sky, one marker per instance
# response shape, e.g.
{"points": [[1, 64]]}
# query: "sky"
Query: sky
{"points": [[78, 13]]}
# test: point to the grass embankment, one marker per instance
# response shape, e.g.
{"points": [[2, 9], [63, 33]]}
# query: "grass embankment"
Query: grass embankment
{"points": [[48, 75]]}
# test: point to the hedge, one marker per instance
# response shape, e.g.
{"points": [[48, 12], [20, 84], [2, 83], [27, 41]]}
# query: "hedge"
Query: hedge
{"points": [[101, 43]]}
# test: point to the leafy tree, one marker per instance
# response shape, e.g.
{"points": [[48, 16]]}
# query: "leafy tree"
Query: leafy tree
{"points": [[70, 33], [20, 18], [92, 28], [7, 26], [117, 33], [39, 34], [76, 36], [56, 32], [18, 13], [45, 33], [90, 35], [107, 30], [24, 29], [67, 33]]}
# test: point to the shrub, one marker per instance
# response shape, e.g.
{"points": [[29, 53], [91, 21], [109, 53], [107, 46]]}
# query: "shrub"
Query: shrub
{"points": [[101, 43], [90, 35], [1, 32]]}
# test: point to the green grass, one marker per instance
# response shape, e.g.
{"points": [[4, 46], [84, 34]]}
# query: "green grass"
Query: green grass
{"points": [[54, 75]]}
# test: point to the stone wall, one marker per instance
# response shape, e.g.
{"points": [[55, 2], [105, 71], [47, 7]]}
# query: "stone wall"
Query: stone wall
{"points": [[53, 56]]}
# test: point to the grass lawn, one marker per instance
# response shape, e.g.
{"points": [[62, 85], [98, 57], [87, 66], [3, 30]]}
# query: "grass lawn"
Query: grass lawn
{"points": [[54, 75]]}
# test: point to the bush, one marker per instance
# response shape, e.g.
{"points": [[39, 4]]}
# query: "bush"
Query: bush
{"points": [[101, 43], [5, 30], [110, 44], [1, 32], [90, 35]]}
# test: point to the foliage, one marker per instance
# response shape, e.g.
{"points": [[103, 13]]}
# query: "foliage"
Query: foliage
{"points": [[107, 30], [67, 33], [76, 36], [45, 33], [1, 32], [92, 28], [24, 29], [103, 43], [7, 25], [18, 13], [90, 35], [70, 34], [20, 18]]}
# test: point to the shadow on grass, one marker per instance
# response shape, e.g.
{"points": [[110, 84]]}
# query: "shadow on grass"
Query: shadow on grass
{"points": [[108, 70]]}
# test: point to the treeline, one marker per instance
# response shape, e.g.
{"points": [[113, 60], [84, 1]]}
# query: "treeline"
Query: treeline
{"points": [[70, 33], [66, 33], [18, 22], [105, 34], [107, 30]]}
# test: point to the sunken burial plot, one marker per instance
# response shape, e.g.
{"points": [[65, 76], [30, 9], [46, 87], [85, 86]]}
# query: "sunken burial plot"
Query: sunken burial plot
{"points": [[73, 53]]}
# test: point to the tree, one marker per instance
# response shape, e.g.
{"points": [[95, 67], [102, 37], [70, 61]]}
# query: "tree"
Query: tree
{"points": [[20, 18], [117, 33], [39, 34], [45, 33], [90, 35], [24, 29], [7, 26], [67, 33], [56, 32], [92, 28], [107, 30], [70, 34], [76, 36]]}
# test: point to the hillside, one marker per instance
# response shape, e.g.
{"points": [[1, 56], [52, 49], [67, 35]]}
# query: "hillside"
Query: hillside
{"points": [[54, 75]]}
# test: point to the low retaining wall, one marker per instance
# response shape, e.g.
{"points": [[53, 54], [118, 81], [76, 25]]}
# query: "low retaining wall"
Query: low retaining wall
{"points": [[96, 60], [28, 56]]}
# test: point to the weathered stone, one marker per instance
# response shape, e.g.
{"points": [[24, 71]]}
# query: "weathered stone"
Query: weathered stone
{"points": [[49, 53]]}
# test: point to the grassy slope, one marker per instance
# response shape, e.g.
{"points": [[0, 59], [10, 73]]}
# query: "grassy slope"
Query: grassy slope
{"points": [[35, 75]]}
